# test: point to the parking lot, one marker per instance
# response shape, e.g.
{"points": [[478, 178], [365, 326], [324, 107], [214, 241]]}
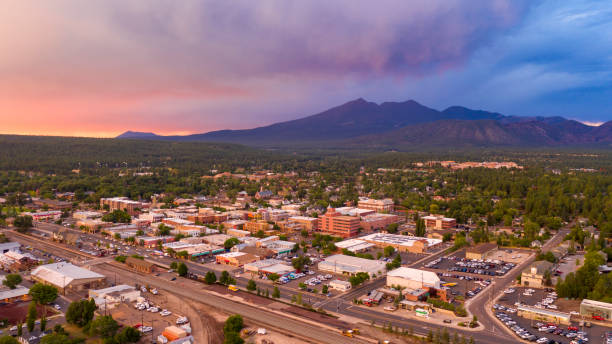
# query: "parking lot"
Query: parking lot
{"points": [[535, 331], [454, 264]]}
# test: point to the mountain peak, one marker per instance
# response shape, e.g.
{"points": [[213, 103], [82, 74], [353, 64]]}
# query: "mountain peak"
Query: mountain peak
{"points": [[137, 135]]}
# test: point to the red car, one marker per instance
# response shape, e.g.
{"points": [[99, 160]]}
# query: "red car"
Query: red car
{"points": [[572, 328], [597, 317]]}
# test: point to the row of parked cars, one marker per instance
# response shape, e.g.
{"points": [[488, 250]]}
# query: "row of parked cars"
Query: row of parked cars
{"points": [[571, 332], [145, 305]]}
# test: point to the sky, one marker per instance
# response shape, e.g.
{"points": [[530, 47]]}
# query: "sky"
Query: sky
{"points": [[101, 67]]}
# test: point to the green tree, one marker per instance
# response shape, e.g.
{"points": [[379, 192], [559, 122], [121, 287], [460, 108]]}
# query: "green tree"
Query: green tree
{"points": [[234, 323], [251, 286], [12, 280], [117, 216], [23, 223], [210, 277], [80, 312], [389, 251], [231, 242], [325, 289], [43, 294], [273, 277], [182, 269], [225, 278], [232, 338], [19, 329], [8, 340], [276, 293], [174, 265], [299, 262], [43, 323], [128, 335], [31, 317], [104, 326]]}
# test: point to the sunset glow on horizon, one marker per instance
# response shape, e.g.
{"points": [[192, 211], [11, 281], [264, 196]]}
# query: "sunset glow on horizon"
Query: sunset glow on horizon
{"points": [[100, 68]]}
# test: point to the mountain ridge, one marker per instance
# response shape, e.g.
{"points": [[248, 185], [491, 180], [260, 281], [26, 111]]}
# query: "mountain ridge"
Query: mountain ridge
{"points": [[393, 124]]}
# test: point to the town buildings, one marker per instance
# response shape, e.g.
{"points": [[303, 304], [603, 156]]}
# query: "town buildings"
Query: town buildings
{"points": [[235, 258], [123, 203], [592, 308]]}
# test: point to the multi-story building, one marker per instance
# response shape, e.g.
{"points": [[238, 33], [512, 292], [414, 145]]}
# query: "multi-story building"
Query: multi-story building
{"points": [[310, 224], [378, 205], [123, 203], [256, 226], [535, 274], [439, 222], [337, 224], [45, 215], [373, 222]]}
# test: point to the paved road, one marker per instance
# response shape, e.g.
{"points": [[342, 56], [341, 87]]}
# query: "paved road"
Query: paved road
{"points": [[478, 305]]}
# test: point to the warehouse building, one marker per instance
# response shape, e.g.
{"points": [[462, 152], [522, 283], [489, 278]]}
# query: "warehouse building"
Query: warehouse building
{"points": [[354, 245], [139, 265], [66, 276], [348, 265], [592, 308]]}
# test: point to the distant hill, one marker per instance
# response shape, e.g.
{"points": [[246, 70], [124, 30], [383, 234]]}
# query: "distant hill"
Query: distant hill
{"points": [[137, 135], [397, 124]]}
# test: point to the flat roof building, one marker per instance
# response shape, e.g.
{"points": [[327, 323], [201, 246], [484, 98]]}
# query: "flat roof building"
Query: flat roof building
{"points": [[480, 251], [542, 314], [355, 245], [9, 246], [413, 278], [268, 266], [592, 308], [439, 222], [378, 205], [348, 265], [235, 258], [402, 243]]}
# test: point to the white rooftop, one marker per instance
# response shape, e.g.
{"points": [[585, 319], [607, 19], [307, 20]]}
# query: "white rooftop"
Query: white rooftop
{"points": [[62, 274], [402, 240], [424, 276], [231, 254]]}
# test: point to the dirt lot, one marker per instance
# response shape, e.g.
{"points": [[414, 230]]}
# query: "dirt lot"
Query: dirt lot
{"points": [[16, 312]]}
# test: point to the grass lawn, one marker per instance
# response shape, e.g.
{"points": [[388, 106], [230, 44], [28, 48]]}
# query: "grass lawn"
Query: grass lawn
{"points": [[76, 332]]}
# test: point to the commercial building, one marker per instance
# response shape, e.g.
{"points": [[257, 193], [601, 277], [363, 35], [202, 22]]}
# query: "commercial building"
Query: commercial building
{"points": [[373, 222], [139, 265], [340, 285], [238, 233], [480, 251], [108, 298], [535, 275], [378, 205], [256, 226], [8, 295], [337, 224], [439, 222], [268, 266], [216, 239], [9, 246], [310, 224], [348, 265], [541, 314], [66, 276], [413, 278], [92, 225], [123, 203], [84, 215], [259, 252], [402, 243], [194, 249], [354, 245], [45, 215], [352, 211], [592, 308], [235, 258]]}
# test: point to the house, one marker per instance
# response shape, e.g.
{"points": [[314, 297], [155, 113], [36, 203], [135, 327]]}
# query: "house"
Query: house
{"points": [[535, 275]]}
